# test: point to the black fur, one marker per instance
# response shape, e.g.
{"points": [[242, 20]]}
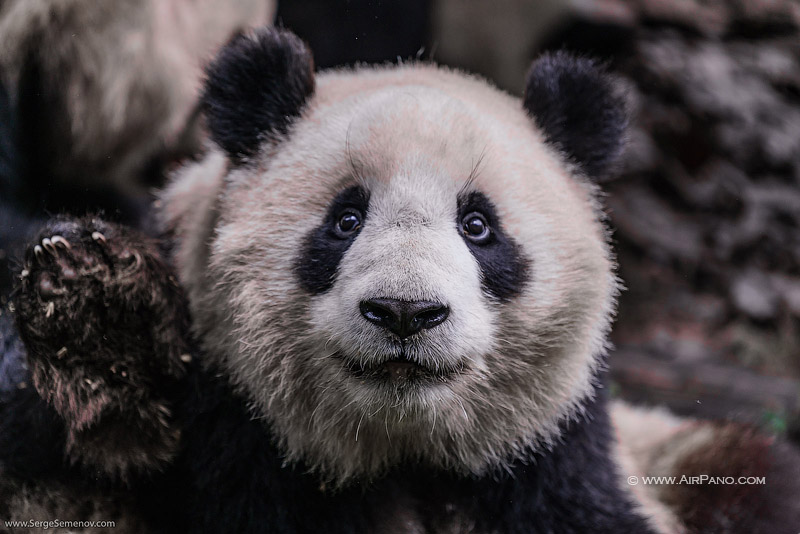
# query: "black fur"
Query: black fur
{"points": [[239, 483], [32, 437], [323, 249], [255, 89], [579, 108], [503, 265]]}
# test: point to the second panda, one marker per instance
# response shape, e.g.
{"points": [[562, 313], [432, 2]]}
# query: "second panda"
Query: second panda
{"points": [[400, 286]]}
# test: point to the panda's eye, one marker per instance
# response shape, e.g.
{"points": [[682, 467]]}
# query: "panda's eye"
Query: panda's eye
{"points": [[476, 228], [349, 223]]}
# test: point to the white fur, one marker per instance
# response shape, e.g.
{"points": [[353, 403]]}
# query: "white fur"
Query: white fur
{"points": [[412, 136]]}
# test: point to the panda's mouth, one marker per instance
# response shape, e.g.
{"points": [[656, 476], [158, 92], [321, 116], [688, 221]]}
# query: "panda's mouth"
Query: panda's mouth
{"points": [[400, 369]]}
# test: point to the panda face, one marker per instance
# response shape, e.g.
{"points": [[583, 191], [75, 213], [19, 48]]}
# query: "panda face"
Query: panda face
{"points": [[405, 289], [412, 275], [395, 265], [399, 322], [403, 296]]}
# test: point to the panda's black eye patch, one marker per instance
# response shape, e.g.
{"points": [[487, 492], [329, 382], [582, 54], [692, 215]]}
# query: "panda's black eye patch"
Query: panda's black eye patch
{"points": [[326, 244], [503, 266]]}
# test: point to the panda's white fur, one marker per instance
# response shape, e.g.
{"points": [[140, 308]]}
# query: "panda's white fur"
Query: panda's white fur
{"points": [[414, 137]]}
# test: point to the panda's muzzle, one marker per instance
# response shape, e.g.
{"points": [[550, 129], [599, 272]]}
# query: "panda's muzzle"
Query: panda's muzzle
{"points": [[404, 318]]}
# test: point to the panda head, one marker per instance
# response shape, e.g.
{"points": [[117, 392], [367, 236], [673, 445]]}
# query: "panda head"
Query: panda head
{"points": [[400, 264]]}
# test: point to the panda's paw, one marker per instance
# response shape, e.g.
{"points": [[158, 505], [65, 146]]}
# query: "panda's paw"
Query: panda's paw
{"points": [[105, 327], [73, 262]]}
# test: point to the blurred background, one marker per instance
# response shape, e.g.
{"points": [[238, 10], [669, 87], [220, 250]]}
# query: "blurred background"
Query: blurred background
{"points": [[99, 101]]}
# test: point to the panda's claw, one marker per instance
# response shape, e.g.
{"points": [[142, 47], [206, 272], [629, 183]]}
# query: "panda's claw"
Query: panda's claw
{"points": [[97, 236], [139, 261], [38, 251], [59, 241], [48, 246]]}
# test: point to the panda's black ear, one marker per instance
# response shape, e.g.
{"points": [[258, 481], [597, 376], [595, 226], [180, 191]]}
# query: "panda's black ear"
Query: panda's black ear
{"points": [[580, 109], [255, 88]]}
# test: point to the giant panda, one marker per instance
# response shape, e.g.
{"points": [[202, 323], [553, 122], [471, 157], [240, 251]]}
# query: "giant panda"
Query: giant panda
{"points": [[380, 305]]}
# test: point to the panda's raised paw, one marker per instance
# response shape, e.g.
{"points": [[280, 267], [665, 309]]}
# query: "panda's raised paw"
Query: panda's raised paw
{"points": [[83, 276], [104, 325], [81, 259]]}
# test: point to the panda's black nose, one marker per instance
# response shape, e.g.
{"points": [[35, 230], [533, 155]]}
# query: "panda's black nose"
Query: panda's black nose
{"points": [[402, 317]]}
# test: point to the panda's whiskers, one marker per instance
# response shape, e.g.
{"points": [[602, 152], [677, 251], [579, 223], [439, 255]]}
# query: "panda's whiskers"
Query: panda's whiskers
{"points": [[325, 356], [503, 340], [463, 409], [363, 412], [473, 175]]}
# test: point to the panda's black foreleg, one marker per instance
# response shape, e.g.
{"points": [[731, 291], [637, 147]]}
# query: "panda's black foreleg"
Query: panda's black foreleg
{"points": [[105, 327]]}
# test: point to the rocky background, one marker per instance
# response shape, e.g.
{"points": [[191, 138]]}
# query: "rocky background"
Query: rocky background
{"points": [[707, 205]]}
